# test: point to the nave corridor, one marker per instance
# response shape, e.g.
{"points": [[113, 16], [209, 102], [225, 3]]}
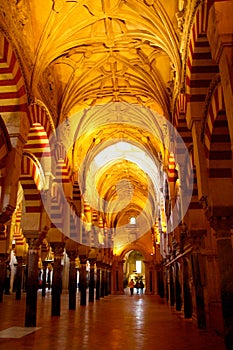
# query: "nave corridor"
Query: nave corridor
{"points": [[114, 322]]}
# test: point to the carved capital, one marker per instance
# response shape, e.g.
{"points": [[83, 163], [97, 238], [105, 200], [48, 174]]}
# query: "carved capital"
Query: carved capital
{"points": [[6, 214], [183, 235], [33, 243], [2, 232], [83, 259], [222, 225], [98, 264], [197, 239], [72, 254], [58, 249], [92, 261], [20, 260], [3, 258]]}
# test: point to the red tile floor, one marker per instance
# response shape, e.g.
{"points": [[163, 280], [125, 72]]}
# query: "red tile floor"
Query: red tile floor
{"points": [[112, 323]]}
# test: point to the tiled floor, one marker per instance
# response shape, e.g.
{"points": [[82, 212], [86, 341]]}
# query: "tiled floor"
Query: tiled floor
{"points": [[113, 323]]}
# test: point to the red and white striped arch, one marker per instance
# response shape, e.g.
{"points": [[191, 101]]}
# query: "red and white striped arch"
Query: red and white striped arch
{"points": [[63, 172], [200, 68], [172, 172], [41, 129], [39, 115], [18, 235], [58, 201], [5, 144], [13, 95], [217, 138], [31, 179]]}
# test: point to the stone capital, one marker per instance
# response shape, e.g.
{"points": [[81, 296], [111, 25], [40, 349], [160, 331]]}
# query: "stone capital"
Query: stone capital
{"points": [[6, 214], [222, 225], [72, 254], [197, 239], [83, 259], [19, 260], [33, 242], [3, 258], [58, 249], [92, 261]]}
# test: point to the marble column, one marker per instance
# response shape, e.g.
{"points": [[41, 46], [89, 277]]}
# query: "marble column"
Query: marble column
{"points": [[150, 277], [58, 250], [109, 280], [83, 280], [18, 277], [3, 260], [49, 275], [98, 268], [106, 280], [45, 265], [198, 272], [177, 288], [187, 295], [172, 289], [103, 281], [222, 227], [160, 279], [32, 280], [92, 279], [72, 254], [121, 276]]}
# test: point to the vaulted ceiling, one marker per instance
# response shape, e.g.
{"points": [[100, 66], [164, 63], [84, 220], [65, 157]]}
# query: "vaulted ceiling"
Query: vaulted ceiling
{"points": [[109, 70]]}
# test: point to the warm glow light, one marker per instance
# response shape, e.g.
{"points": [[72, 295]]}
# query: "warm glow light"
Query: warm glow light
{"points": [[138, 266], [126, 151]]}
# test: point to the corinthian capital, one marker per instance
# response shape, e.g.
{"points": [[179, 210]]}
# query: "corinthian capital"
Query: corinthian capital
{"points": [[222, 225], [58, 248]]}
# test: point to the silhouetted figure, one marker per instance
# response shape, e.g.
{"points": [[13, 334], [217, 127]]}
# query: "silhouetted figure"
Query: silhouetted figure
{"points": [[131, 286], [141, 284], [137, 286]]}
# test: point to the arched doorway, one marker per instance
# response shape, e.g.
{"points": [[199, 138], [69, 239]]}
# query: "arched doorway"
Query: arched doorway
{"points": [[134, 268]]}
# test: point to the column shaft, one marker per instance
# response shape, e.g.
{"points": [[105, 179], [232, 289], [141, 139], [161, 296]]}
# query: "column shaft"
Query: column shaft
{"points": [[18, 278], [98, 281], [92, 280], [32, 282], [58, 249], [83, 280], [222, 227], [3, 259]]}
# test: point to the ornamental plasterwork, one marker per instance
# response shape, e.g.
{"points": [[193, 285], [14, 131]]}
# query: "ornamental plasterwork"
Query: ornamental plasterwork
{"points": [[190, 11]]}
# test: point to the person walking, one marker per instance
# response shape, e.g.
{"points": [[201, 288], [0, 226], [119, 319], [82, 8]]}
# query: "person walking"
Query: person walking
{"points": [[141, 286], [131, 286], [137, 286]]}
